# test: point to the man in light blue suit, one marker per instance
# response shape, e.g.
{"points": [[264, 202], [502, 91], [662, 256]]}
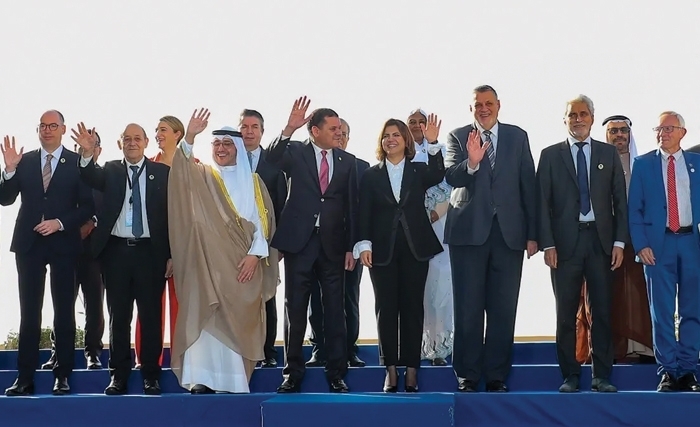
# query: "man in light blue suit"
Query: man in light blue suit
{"points": [[664, 215]]}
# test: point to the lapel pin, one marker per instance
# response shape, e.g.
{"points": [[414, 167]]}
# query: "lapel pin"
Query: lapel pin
{"points": [[692, 170], [600, 166], [340, 158], [151, 177], [63, 160]]}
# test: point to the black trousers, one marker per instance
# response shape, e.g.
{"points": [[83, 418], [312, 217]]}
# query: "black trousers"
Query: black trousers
{"points": [[352, 315], [485, 279], [133, 273], [398, 293], [591, 263], [31, 272], [303, 271], [271, 332], [88, 277]]}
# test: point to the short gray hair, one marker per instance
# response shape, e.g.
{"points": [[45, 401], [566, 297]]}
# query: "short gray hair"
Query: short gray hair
{"points": [[581, 98], [681, 120], [342, 121]]}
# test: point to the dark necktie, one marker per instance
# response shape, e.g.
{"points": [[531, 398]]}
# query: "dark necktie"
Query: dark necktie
{"points": [[582, 175], [489, 150], [137, 220]]}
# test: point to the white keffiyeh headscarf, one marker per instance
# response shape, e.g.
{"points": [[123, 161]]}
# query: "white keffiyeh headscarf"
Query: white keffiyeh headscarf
{"points": [[238, 178]]}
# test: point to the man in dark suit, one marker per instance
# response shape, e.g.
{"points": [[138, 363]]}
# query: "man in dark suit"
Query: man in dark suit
{"points": [[89, 278], [131, 242], [582, 229], [252, 126], [490, 222], [352, 294], [316, 233], [54, 206]]}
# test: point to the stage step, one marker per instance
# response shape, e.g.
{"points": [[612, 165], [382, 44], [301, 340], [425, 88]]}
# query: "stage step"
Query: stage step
{"points": [[361, 380], [524, 353], [353, 410]]}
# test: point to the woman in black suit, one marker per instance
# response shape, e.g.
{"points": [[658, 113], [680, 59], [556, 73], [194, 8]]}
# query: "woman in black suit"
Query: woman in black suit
{"points": [[396, 243]]}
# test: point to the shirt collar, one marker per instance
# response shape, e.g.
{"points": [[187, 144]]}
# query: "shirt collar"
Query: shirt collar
{"points": [[493, 130], [126, 162], [255, 153], [56, 153], [677, 155], [571, 140], [317, 149], [391, 167]]}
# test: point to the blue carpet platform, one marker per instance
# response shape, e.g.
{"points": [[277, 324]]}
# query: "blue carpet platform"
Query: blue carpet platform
{"points": [[533, 400]]}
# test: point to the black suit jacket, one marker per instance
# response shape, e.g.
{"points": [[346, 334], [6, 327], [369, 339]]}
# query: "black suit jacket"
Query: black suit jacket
{"points": [[362, 166], [559, 203], [275, 181], [508, 191], [337, 206], [66, 199], [381, 215], [111, 180]]}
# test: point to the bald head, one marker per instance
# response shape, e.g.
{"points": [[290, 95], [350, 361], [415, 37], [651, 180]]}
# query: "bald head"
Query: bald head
{"points": [[51, 130], [133, 143]]}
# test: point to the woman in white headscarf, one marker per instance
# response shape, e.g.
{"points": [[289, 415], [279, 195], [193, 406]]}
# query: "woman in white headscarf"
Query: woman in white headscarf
{"points": [[438, 324]]}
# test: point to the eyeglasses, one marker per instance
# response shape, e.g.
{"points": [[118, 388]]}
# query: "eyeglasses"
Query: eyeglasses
{"points": [[666, 129], [51, 126], [217, 143], [615, 131]]}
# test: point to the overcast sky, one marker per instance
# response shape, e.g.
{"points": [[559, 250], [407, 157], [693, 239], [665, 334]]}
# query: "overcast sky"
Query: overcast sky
{"points": [[111, 63]]}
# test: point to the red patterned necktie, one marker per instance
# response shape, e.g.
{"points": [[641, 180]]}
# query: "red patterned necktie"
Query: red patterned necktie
{"points": [[323, 174], [674, 222]]}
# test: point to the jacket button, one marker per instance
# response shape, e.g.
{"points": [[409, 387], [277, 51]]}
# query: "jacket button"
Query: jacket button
{"points": [[322, 199]]}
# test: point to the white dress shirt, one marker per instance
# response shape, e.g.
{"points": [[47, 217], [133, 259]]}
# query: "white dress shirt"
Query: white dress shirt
{"points": [[424, 149], [120, 228], [685, 209], [395, 172], [255, 158]]}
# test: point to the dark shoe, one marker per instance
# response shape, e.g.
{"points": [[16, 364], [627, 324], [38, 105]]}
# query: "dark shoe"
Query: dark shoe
{"points": [[50, 364], [268, 363], [438, 361], [201, 389], [602, 385], [570, 385], [646, 360], [668, 383], [151, 387], [20, 388], [93, 362], [338, 386], [389, 385], [412, 378], [60, 386], [355, 362], [496, 387], [688, 382], [315, 363], [289, 386], [116, 388], [466, 386]]}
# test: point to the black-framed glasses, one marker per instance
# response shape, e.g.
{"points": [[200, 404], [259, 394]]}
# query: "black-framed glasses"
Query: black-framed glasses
{"points": [[666, 129], [615, 131], [51, 126]]}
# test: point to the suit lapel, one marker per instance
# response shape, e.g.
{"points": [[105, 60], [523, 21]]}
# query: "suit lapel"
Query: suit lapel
{"points": [[565, 152], [593, 167], [656, 171], [406, 181], [336, 158], [309, 156], [384, 183], [150, 184]]}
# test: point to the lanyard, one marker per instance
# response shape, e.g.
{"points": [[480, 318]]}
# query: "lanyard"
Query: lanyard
{"points": [[137, 174]]}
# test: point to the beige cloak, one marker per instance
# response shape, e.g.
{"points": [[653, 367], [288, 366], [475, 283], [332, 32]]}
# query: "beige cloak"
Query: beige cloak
{"points": [[208, 240]]}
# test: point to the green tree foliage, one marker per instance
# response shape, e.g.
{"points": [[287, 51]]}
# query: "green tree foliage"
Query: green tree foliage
{"points": [[12, 341]]}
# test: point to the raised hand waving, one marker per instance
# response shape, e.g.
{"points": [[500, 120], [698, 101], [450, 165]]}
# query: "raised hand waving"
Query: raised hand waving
{"points": [[431, 129], [297, 117], [10, 154]]}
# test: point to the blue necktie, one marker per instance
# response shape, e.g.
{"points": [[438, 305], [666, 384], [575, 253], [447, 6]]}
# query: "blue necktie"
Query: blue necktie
{"points": [[582, 175], [137, 220]]}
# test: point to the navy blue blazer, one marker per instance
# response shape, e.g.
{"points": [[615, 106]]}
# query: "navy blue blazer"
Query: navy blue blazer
{"points": [[67, 199]]}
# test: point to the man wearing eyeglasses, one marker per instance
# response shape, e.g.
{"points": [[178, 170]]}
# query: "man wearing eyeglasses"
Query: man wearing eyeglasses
{"points": [[664, 215], [54, 205], [631, 322]]}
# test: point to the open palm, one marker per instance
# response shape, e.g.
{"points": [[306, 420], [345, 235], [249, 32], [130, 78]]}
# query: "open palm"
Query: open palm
{"points": [[198, 122], [10, 154], [431, 129]]}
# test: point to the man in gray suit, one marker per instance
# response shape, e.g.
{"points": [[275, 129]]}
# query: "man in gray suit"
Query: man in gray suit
{"points": [[490, 222], [582, 229]]}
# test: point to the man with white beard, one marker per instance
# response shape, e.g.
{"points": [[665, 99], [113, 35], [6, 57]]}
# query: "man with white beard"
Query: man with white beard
{"points": [[221, 224]]}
